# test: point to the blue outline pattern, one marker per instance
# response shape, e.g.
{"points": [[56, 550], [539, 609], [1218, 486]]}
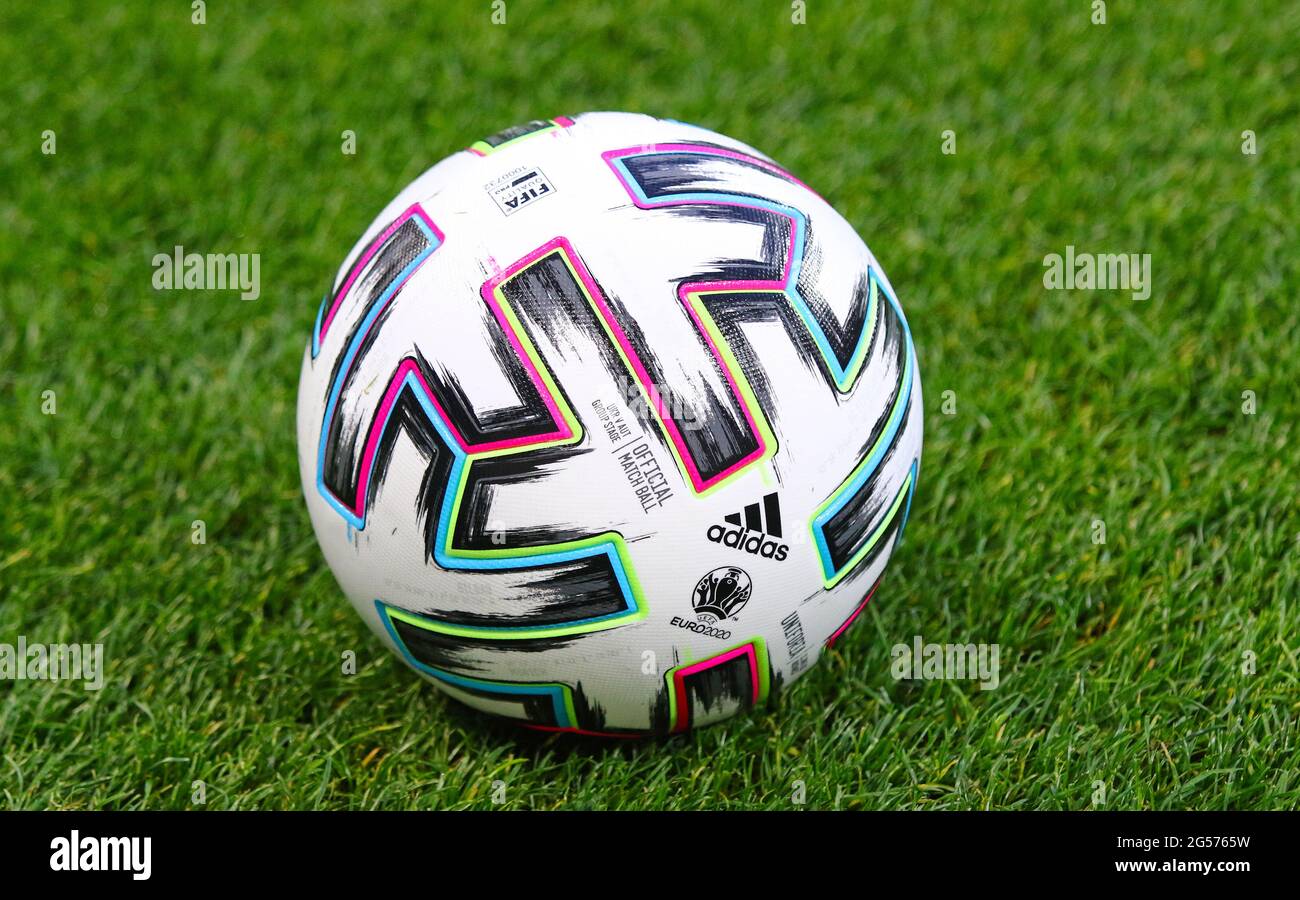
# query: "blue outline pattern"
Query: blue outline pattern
{"points": [[838, 372], [497, 563], [359, 521], [555, 691], [863, 471], [315, 332], [452, 488]]}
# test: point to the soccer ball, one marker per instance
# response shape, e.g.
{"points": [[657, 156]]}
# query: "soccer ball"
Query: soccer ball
{"points": [[609, 424]]}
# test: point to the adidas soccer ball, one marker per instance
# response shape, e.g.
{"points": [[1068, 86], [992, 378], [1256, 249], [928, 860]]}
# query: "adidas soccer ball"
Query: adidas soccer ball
{"points": [[609, 425]]}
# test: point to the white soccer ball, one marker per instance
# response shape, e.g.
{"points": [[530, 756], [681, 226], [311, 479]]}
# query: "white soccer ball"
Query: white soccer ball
{"points": [[609, 425]]}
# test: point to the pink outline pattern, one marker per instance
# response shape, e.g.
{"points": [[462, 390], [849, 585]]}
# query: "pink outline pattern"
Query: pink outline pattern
{"points": [[704, 287], [408, 366], [853, 617], [706, 151], [413, 210], [679, 681], [700, 484]]}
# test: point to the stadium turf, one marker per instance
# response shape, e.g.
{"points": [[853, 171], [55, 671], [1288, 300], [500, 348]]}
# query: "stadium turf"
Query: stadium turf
{"points": [[1155, 670]]}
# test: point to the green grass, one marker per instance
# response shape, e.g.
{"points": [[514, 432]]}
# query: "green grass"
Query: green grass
{"points": [[1122, 662]]}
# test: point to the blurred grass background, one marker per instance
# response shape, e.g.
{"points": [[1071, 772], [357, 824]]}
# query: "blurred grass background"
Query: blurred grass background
{"points": [[1122, 663]]}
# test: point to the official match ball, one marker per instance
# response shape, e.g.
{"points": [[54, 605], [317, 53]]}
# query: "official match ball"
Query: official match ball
{"points": [[609, 424]]}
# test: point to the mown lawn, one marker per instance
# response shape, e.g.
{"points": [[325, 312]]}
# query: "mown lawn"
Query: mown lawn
{"points": [[1156, 670]]}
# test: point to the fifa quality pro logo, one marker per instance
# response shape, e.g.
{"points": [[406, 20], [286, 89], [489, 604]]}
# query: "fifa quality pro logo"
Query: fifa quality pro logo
{"points": [[761, 524], [519, 188]]}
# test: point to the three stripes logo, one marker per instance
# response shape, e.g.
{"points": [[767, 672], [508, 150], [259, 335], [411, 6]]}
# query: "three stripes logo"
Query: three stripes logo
{"points": [[753, 530]]}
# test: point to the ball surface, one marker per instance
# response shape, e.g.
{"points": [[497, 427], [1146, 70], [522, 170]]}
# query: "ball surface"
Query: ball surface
{"points": [[609, 424]]}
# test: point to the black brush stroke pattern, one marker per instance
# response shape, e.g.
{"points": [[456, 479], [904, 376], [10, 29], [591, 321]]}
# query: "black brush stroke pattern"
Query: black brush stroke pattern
{"points": [[347, 430]]}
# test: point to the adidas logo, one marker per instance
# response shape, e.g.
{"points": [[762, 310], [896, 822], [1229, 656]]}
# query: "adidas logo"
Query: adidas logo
{"points": [[750, 534]]}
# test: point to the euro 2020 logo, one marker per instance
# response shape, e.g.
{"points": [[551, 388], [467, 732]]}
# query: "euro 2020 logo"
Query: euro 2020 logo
{"points": [[721, 594]]}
